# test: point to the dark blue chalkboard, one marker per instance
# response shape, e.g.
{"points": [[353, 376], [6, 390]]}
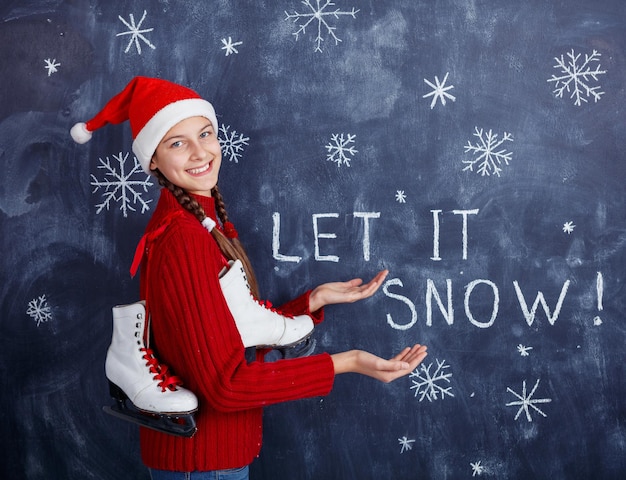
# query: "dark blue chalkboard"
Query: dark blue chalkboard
{"points": [[475, 149]]}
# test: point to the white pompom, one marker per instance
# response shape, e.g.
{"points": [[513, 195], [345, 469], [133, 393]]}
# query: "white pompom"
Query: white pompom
{"points": [[80, 134], [208, 223]]}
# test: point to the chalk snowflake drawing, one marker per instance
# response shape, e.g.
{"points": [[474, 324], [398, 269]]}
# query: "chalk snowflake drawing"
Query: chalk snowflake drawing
{"points": [[577, 75], [232, 143], [568, 227], [340, 149], [135, 33], [523, 350], [400, 196], [526, 401], [229, 46], [406, 444], [431, 385], [488, 156], [51, 66], [321, 13], [477, 468], [121, 186], [440, 91], [39, 310]]}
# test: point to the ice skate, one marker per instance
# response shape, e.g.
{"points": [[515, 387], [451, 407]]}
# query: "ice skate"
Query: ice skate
{"points": [[135, 376], [260, 325]]}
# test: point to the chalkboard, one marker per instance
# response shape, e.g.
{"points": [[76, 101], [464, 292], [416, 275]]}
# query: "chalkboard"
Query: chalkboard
{"points": [[475, 149]]}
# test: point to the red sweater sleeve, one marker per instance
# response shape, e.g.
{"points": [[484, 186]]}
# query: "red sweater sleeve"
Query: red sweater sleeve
{"points": [[300, 306], [193, 330]]}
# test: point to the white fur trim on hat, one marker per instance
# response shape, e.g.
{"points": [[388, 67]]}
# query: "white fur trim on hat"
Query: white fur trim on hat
{"points": [[80, 134], [148, 139]]}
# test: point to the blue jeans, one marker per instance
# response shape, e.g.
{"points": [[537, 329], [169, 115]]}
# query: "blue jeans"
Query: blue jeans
{"points": [[230, 474]]}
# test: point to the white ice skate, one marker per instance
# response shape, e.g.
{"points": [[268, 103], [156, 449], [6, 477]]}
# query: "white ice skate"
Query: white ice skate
{"points": [[134, 374], [260, 325]]}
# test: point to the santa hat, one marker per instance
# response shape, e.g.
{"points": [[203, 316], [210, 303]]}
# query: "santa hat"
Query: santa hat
{"points": [[152, 106]]}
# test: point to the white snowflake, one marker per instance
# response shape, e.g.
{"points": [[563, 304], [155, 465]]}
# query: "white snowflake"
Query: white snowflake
{"points": [[440, 91], [406, 444], [118, 185], [526, 400], [39, 310], [488, 155], [51, 66], [229, 46], [523, 350], [400, 196], [428, 384], [477, 468], [232, 144], [339, 149], [135, 33], [577, 75], [318, 13], [597, 321], [568, 227]]}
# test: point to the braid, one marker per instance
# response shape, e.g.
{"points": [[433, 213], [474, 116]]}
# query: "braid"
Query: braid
{"points": [[231, 248], [219, 205], [187, 201], [234, 242]]}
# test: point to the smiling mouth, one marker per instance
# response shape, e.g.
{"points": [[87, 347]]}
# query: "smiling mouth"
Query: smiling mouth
{"points": [[199, 170]]}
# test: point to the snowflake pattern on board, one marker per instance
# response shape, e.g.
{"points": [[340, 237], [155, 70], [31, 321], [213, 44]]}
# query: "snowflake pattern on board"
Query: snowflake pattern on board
{"points": [[39, 310], [340, 150], [477, 468], [400, 196], [51, 66], [431, 385], [440, 91], [568, 227], [118, 186], [229, 46], [577, 76], [232, 143], [135, 33], [526, 400], [406, 444], [319, 13], [488, 156]]}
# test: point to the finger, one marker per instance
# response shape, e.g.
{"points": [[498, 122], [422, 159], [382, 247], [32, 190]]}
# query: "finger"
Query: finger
{"points": [[410, 355], [373, 285], [355, 282]]}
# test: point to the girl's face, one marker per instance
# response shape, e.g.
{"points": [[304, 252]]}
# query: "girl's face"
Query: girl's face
{"points": [[190, 156]]}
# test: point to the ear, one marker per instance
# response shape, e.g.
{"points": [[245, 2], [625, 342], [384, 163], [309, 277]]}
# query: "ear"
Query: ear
{"points": [[153, 165]]}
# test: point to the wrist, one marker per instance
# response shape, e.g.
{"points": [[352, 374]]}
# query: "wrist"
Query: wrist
{"points": [[344, 362], [314, 301]]}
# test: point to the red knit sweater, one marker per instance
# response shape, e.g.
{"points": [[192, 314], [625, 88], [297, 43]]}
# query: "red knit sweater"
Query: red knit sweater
{"points": [[194, 333]]}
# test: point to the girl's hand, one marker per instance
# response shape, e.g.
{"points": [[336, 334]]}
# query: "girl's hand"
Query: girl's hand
{"points": [[365, 363], [344, 292]]}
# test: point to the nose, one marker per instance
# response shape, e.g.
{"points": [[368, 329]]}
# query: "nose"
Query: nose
{"points": [[198, 151]]}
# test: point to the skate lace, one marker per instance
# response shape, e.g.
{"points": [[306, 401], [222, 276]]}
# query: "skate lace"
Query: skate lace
{"points": [[268, 305], [160, 371]]}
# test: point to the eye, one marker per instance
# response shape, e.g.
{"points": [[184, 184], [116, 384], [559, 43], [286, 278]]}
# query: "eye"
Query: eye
{"points": [[176, 144], [206, 133]]}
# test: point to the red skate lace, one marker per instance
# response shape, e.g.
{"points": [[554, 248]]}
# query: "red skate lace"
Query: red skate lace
{"points": [[267, 304], [161, 372]]}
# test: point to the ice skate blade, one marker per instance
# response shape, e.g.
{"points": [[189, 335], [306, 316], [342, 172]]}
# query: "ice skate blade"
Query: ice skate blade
{"points": [[300, 349], [179, 424]]}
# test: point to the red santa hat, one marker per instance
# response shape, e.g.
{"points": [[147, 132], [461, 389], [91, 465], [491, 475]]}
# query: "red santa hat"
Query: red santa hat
{"points": [[152, 106]]}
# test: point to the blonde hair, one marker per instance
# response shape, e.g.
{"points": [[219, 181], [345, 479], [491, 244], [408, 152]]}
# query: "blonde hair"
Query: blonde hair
{"points": [[230, 247]]}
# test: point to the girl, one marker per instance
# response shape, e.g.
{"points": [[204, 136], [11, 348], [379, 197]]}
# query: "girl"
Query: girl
{"points": [[175, 139]]}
